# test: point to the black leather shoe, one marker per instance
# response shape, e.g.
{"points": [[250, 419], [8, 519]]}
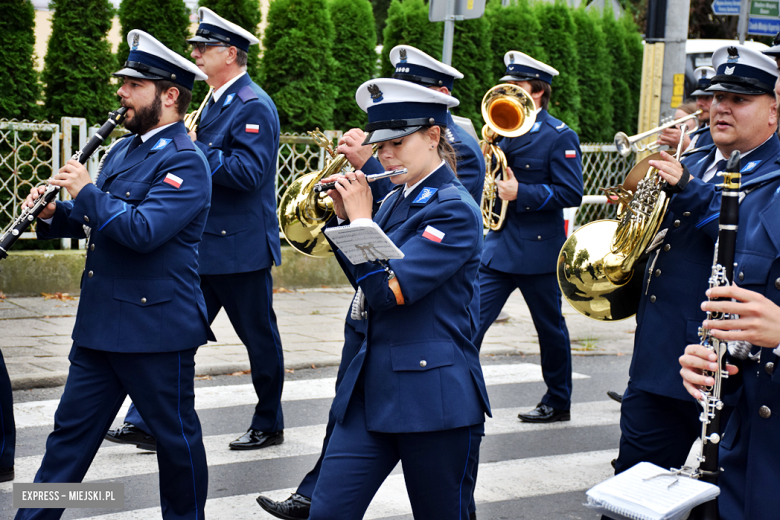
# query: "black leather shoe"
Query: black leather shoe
{"points": [[255, 439], [615, 396], [6, 474], [132, 434], [545, 414], [296, 507], [473, 516]]}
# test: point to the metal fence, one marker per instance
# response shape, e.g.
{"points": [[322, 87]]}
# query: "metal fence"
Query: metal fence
{"points": [[31, 151]]}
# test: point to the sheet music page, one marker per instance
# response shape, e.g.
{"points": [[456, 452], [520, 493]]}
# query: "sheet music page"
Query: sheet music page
{"points": [[662, 494], [363, 243]]}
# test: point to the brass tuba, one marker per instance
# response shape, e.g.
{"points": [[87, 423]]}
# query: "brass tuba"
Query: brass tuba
{"points": [[597, 263], [191, 119], [303, 212], [508, 111]]}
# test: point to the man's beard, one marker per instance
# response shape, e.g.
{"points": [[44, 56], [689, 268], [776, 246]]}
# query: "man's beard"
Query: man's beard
{"points": [[145, 118]]}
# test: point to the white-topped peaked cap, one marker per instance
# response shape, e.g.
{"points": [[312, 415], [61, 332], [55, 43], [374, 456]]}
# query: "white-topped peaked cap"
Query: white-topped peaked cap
{"points": [[397, 108], [213, 28], [412, 64], [522, 67], [150, 59], [743, 71], [703, 77], [774, 50]]}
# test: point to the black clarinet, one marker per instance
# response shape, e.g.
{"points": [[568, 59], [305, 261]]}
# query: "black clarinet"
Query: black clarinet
{"points": [[28, 215], [722, 274]]}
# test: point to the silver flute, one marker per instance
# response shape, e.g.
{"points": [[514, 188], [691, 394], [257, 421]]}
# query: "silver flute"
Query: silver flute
{"points": [[320, 187]]}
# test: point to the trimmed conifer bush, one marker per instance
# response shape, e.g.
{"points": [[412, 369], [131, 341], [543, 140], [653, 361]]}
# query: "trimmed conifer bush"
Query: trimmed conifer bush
{"points": [[592, 77], [380, 16], [513, 28], [354, 51], [166, 20], [558, 40], [471, 55], [79, 61], [18, 78], [407, 24], [624, 110], [298, 62], [635, 50]]}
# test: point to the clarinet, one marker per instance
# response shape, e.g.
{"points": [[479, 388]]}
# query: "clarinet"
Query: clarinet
{"points": [[28, 215], [722, 274]]}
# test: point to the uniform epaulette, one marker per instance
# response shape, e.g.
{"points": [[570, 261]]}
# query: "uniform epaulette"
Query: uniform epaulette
{"points": [[247, 94], [449, 192], [557, 124], [183, 142]]}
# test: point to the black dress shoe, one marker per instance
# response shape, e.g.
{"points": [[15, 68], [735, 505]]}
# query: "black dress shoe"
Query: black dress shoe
{"points": [[473, 516], [545, 414], [615, 396], [132, 434], [6, 474], [296, 507], [255, 439]]}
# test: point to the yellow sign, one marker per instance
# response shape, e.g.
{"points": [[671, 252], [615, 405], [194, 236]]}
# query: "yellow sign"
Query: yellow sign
{"points": [[470, 5], [678, 91]]}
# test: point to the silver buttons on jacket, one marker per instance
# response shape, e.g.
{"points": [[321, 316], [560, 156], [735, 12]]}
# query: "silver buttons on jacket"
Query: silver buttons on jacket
{"points": [[143, 300], [224, 232], [764, 412], [676, 223], [89, 274], [423, 363], [86, 218], [770, 368]]}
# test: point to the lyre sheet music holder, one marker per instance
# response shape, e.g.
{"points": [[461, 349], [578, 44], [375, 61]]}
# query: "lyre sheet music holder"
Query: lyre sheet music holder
{"points": [[364, 243]]}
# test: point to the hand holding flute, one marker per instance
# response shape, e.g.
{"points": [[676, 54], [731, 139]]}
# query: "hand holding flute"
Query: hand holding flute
{"points": [[352, 198]]}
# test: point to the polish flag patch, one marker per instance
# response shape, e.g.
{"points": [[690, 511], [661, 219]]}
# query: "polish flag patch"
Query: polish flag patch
{"points": [[173, 180], [253, 129], [431, 233], [571, 154]]}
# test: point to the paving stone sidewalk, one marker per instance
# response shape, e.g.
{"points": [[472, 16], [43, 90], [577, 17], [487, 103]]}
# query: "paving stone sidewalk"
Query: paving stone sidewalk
{"points": [[35, 335]]}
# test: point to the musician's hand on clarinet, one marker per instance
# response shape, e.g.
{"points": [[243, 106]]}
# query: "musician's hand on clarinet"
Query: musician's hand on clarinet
{"points": [[73, 177], [35, 193], [696, 359], [669, 168], [507, 189], [351, 145], [758, 320], [356, 195]]}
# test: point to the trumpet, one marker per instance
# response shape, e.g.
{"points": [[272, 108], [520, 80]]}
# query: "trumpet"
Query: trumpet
{"points": [[625, 144], [191, 119]]}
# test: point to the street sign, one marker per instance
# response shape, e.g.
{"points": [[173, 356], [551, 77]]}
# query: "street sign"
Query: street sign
{"points": [[764, 8], [464, 9], [726, 7], [763, 26]]}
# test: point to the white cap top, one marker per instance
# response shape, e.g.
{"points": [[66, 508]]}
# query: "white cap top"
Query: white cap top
{"points": [[520, 66], [383, 91], [414, 56], [150, 59], [222, 28], [703, 73]]}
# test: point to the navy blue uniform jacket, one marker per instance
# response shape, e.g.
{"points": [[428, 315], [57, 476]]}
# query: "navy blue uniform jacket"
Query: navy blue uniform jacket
{"points": [[140, 291], [468, 155], [547, 163], [670, 312], [240, 136], [434, 325]]}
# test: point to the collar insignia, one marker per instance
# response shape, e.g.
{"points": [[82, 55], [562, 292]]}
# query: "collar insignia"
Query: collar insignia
{"points": [[730, 70], [162, 143], [425, 195], [228, 100], [135, 41], [749, 167], [376, 94], [536, 127], [402, 56], [733, 55]]}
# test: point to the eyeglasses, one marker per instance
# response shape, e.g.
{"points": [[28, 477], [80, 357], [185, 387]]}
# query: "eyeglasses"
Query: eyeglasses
{"points": [[201, 46]]}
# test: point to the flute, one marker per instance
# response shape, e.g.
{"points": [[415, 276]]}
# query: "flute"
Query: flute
{"points": [[320, 187], [28, 215]]}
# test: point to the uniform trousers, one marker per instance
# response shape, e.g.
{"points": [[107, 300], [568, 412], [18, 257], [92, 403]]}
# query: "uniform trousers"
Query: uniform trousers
{"points": [[655, 428], [248, 302], [7, 426], [438, 468], [162, 386], [543, 297]]}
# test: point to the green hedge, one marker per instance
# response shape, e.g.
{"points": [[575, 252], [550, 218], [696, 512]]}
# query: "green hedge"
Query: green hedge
{"points": [[19, 87], [166, 20]]}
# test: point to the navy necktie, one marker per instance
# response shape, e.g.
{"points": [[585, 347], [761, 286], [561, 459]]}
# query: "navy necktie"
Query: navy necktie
{"points": [[135, 143]]}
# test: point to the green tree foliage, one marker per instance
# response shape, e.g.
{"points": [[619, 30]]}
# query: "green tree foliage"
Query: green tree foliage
{"points": [[633, 73], [380, 16], [592, 77], [471, 55], [246, 14], [166, 20], [298, 62], [624, 110], [559, 41], [513, 28], [79, 61], [355, 56], [407, 24], [19, 87]]}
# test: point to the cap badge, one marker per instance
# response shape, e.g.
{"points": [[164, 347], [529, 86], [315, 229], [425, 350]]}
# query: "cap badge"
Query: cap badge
{"points": [[704, 74], [733, 55], [200, 16], [511, 57], [402, 55], [730, 70], [135, 41], [376, 94]]}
